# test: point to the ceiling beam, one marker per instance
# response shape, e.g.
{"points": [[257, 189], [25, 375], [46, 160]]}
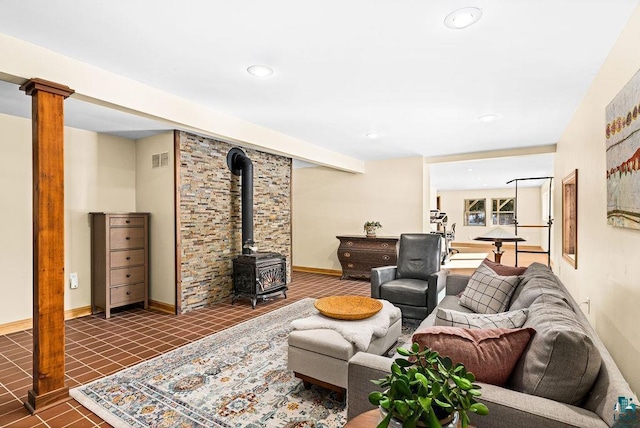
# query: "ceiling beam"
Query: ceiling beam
{"points": [[21, 61], [492, 154]]}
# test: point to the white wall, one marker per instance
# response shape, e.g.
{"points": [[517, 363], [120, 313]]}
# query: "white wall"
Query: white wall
{"points": [[327, 203], [608, 272], [99, 176], [154, 194], [529, 212]]}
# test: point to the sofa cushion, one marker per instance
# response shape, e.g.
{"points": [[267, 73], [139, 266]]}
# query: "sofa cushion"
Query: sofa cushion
{"points": [[504, 270], [448, 318], [490, 354], [562, 362], [538, 284], [487, 292]]}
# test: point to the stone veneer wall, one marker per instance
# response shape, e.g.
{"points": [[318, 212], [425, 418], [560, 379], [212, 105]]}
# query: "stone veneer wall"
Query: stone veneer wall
{"points": [[211, 215]]}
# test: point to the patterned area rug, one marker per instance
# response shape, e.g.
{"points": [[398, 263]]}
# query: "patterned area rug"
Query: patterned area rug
{"points": [[235, 378]]}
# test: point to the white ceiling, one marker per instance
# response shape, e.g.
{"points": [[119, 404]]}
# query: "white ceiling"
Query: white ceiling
{"points": [[342, 68]]}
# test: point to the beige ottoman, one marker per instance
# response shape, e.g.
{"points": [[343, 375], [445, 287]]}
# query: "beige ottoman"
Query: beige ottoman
{"points": [[321, 356]]}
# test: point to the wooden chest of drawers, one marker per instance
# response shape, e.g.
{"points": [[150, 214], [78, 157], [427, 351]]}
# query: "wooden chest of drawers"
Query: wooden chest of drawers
{"points": [[119, 260], [359, 254]]}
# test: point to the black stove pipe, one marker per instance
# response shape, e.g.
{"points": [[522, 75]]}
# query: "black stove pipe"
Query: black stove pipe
{"points": [[240, 164]]}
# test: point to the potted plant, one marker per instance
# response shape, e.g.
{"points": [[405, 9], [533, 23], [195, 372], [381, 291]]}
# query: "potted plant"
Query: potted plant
{"points": [[370, 227], [426, 390]]}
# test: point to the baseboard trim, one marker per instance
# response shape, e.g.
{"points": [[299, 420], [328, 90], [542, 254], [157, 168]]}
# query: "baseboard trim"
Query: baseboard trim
{"points": [[77, 312], [162, 307], [331, 272], [26, 324]]}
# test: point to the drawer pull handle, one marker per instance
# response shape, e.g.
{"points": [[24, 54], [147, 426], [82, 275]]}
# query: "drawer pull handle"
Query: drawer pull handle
{"points": [[128, 221], [127, 238], [128, 293], [385, 258], [347, 254], [128, 257], [128, 275], [350, 265], [385, 245]]}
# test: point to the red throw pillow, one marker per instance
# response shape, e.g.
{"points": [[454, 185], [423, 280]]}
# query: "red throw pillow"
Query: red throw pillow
{"points": [[503, 270], [490, 354]]}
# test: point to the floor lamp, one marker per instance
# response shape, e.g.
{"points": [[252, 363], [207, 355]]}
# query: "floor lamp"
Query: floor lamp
{"points": [[498, 235]]}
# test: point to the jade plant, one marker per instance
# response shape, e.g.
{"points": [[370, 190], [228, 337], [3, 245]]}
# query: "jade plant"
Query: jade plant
{"points": [[426, 388]]}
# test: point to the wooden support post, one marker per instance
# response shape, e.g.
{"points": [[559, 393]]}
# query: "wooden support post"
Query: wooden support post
{"points": [[48, 243]]}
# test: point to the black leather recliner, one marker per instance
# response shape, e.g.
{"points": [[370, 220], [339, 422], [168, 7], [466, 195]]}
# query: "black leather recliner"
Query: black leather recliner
{"points": [[414, 284]]}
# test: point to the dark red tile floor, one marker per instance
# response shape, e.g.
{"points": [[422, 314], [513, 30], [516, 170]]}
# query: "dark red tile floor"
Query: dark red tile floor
{"points": [[96, 347]]}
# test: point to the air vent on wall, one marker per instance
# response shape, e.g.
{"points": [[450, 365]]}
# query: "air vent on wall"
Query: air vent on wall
{"points": [[160, 160]]}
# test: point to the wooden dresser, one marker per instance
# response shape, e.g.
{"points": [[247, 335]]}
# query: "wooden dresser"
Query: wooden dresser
{"points": [[359, 254], [119, 260]]}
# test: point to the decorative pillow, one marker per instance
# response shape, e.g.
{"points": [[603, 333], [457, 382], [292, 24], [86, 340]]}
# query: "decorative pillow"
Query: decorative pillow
{"points": [[562, 362], [449, 318], [488, 293], [490, 354], [504, 270]]}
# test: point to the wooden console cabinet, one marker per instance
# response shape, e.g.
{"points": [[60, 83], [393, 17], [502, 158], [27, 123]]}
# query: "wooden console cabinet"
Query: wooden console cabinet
{"points": [[359, 254], [119, 260]]}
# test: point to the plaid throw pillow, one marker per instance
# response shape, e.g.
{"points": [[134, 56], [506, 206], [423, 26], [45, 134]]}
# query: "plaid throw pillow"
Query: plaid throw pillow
{"points": [[449, 318], [488, 293]]}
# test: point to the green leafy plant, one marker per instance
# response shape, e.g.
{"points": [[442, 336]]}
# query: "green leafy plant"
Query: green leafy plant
{"points": [[426, 388], [372, 224]]}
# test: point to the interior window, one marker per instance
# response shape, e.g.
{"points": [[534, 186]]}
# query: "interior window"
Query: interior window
{"points": [[475, 212], [503, 211]]}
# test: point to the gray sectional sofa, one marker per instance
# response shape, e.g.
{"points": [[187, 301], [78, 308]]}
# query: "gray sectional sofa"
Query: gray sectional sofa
{"points": [[564, 378]]}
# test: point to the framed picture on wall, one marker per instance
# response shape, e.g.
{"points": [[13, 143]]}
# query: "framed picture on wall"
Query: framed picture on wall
{"points": [[570, 218], [623, 156]]}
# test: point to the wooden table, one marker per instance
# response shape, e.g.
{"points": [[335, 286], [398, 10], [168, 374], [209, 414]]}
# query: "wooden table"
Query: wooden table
{"points": [[370, 419], [366, 419]]}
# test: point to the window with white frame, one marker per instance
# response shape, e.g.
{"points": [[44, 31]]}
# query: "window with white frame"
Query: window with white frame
{"points": [[475, 212], [503, 211]]}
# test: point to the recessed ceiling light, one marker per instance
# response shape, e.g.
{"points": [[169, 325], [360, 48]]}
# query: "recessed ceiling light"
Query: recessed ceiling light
{"points": [[371, 135], [487, 117], [463, 18], [260, 70]]}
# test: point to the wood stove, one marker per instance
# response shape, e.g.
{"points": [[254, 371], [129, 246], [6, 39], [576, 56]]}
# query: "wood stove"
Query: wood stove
{"points": [[258, 276]]}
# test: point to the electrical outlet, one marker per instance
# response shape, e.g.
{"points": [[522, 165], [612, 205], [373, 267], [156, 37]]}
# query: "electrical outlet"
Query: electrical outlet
{"points": [[73, 280]]}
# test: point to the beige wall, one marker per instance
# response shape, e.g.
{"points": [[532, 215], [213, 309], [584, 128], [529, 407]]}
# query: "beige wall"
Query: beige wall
{"points": [[154, 194], [529, 212], [328, 202], [15, 227], [99, 176], [608, 272]]}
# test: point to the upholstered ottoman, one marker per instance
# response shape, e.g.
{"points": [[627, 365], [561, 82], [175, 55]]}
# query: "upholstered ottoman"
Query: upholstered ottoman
{"points": [[320, 356]]}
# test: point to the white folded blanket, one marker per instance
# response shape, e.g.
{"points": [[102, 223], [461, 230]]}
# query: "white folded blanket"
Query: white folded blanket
{"points": [[358, 332]]}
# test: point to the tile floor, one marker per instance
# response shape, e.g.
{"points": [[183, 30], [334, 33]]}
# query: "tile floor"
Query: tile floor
{"points": [[96, 347]]}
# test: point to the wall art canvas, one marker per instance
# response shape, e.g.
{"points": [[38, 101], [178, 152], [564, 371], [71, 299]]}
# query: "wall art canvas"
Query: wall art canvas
{"points": [[623, 156]]}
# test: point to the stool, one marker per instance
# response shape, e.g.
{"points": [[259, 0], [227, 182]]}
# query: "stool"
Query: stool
{"points": [[321, 356]]}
